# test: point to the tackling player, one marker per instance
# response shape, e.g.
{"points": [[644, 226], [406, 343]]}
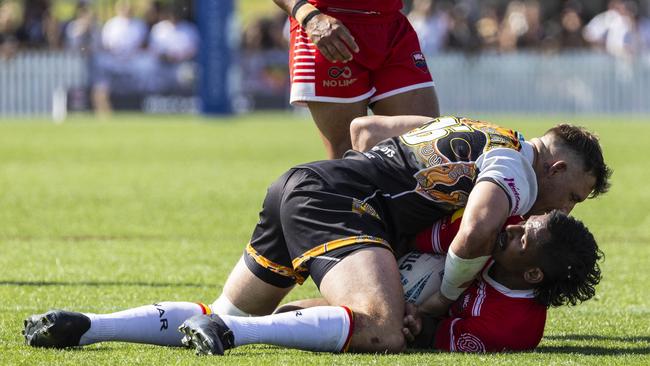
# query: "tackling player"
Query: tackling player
{"points": [[342, 222], [346, 56]]}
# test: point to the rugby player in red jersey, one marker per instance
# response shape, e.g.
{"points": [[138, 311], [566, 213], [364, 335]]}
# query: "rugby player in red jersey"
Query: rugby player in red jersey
{"points": [[347, 56], [549, 260]]}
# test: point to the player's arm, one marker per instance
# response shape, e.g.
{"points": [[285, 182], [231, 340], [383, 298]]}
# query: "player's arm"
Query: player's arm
{"points": [[332, 38], [487, 208], [367, 131]]}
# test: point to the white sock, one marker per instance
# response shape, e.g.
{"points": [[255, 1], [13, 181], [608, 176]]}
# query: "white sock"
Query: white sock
{"points": [[151, 324], [223, 306], [321, 328]]}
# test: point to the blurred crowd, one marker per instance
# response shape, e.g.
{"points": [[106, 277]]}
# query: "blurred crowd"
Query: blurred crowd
{"points": [[128, 55], [619, 27]]}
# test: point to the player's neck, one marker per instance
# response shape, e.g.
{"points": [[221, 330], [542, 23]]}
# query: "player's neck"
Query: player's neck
{"points": [[513, 281], [541, 155]]}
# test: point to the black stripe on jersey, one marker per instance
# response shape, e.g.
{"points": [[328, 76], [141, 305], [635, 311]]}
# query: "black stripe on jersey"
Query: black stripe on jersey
{"points": [[488, 179]]}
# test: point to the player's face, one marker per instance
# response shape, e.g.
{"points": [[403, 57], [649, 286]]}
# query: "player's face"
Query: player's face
{"points": [[517, 246], [562, 187]]}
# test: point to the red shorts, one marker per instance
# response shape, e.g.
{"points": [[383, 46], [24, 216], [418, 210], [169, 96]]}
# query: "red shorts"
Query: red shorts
{"points": [[389, 62]]}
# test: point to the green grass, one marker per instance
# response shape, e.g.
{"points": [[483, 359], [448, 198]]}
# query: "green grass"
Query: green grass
{"points": [[101, 216]]}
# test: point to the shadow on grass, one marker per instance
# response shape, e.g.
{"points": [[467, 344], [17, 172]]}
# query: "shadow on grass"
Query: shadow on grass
{"points": [[594, 350], [102, 283], [594, 337]]}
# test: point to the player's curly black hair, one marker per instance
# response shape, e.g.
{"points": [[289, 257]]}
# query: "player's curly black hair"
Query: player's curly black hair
{"points": [[587, 146], [569, 260]]}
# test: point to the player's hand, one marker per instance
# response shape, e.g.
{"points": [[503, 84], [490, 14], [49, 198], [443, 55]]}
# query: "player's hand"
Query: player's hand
{"points": [[332, 38], [437, 305], [412, 322]]}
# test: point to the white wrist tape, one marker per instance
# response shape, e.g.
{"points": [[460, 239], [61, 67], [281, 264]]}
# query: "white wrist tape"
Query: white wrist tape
{"points": [[458, 273]]}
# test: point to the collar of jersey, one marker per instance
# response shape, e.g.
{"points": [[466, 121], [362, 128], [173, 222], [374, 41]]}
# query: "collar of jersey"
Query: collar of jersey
{"points": [[520, 294], [528, 152]]}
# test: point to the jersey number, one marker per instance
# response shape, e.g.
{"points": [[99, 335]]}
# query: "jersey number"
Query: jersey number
{"points": [[440, 128]]}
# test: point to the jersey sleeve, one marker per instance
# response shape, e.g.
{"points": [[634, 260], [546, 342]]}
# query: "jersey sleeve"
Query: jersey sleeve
{"points": [[511, 171], [437, 238]]}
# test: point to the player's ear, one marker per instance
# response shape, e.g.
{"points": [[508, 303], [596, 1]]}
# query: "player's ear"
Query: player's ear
{"points": [[558, 167], [534, 275]]}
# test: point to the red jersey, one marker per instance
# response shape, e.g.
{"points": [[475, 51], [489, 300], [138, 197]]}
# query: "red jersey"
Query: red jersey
{"points": [[488, 317], [381, 6]]}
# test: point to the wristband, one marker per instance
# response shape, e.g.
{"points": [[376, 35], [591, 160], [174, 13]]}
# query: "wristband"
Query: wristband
{"points": [[458, 272], [308, 17], [297, 6]]}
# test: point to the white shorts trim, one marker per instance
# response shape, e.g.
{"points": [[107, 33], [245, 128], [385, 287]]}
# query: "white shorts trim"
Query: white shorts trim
{"points": [[401, 90], [301, 93]]}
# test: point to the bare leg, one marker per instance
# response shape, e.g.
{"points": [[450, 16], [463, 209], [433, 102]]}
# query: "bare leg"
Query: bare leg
{"points": [[367, 281], [333, 122], [422, 102], [249, 293]]}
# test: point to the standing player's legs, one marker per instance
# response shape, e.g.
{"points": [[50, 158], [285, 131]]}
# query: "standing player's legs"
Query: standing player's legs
{"points": [[421, 102], [333, 122], [368, 282]]}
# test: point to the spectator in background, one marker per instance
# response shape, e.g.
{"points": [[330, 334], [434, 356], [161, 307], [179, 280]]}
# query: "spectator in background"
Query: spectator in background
{"points": [[81, 32], [124, 34], [9, 23], [644, 34], [462, 31], [153, 13], [613, 30], [571, 28], [121, 63], [175, 43], [431, 24], [264, 63], [521, 26], [487, 27], [39, 28]]}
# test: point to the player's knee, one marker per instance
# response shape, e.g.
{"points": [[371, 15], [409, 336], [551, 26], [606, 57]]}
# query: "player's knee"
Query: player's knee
{"points": [[378, 331]]}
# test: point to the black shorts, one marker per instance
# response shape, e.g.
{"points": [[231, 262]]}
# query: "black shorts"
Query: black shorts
{"points": [[306, 227]]}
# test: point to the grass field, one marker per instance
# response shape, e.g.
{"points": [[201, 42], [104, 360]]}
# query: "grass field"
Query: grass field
{"points": [[101, 216]]}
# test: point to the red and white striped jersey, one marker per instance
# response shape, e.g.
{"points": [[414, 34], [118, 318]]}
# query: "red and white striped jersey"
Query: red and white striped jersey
{"points": [[488, 317]]}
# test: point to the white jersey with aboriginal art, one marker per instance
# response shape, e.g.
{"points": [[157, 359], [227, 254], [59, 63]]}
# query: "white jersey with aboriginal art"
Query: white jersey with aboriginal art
{"points": [[417, 178]]}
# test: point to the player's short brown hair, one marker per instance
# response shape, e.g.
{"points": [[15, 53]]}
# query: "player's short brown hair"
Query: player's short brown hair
{"points": [[587, 146]]}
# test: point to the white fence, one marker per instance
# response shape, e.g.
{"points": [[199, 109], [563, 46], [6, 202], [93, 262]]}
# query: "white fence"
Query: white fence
{"points": [[521, 83], [29, 80]]}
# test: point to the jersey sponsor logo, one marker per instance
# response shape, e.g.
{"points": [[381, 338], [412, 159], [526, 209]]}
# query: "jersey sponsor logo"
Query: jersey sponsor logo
{"points": [[340, 77], [336, 72], [515, 191], [386, 150], [468, 342], [420, 61]]}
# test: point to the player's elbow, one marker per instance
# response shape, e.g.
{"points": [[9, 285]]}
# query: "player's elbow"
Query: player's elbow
{"points": [[363, 132]]}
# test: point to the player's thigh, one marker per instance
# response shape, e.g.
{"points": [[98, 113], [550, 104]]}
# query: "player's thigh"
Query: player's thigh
{"points": [[251, 294], [333, 122], [367, 281], [423, 102]]}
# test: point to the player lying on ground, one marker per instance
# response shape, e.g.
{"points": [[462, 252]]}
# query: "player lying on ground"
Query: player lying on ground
{"points": [[550, 260], [341, 221]]}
